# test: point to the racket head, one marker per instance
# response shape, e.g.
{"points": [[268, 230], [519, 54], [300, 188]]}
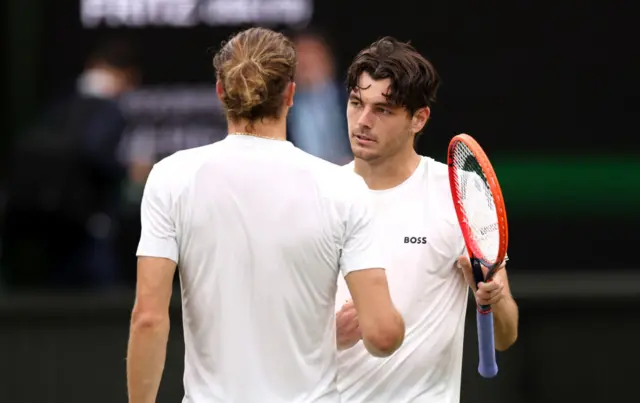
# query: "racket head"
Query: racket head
{"points": [[487, 240]]}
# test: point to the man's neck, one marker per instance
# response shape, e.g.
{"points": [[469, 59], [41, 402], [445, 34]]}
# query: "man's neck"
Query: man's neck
{"points": [[387, 174], [269, 129]]}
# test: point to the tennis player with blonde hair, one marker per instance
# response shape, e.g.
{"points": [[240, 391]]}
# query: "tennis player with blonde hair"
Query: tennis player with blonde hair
{"points": [[391, 90], [261, 231]]}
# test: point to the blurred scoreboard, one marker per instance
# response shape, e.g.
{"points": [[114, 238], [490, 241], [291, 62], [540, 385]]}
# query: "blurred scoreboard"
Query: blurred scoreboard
{"points": [[190, 13]]}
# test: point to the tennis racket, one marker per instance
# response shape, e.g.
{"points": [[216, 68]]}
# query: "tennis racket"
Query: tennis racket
{"points": [[483, 220]]}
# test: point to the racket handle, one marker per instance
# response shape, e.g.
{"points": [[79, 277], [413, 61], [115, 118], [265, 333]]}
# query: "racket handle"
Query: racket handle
{"points": [[487, 367]]}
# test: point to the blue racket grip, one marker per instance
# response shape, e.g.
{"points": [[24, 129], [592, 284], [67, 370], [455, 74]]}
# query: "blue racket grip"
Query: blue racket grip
{"points": [[487, 367]]}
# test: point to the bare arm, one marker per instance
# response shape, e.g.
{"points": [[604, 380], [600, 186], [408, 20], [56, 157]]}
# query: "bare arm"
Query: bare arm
{"points": [[381, 325], [376, 319], [505, 315], [157, 260], [149, 330]]}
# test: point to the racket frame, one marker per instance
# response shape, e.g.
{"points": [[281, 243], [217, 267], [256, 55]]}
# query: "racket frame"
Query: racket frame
{"points": [[494, 187], [487, 366]]}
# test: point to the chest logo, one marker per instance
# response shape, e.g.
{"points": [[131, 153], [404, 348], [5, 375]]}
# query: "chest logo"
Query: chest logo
{"points": [[415, 239]]}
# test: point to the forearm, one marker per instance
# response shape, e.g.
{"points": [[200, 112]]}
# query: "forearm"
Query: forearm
{"points": [[505, 323], [145, 358]]}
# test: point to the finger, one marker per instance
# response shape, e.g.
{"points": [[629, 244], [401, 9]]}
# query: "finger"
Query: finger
{"points": [[349, 327], [489, 301], [342, 318], [495, 299], [464, 263], [495, 289], [485, 293], [353, 327], [483, 297], [348, 304], [350, 314], [348, 332], [488, 287], [348, 308]]}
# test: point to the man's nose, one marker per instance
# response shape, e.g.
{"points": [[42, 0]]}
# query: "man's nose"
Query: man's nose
{"points": [[366, 118]]}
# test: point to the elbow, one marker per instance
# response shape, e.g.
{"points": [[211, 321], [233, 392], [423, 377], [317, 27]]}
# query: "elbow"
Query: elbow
{"points": [[382, 346], [143, 320], [386, 339]]}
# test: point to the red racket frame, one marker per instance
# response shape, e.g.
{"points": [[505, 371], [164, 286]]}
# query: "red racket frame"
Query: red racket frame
{"points": [[494, 186]]}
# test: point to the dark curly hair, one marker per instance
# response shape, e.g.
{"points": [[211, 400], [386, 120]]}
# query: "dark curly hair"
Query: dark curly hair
{"points": [[414, 80]]}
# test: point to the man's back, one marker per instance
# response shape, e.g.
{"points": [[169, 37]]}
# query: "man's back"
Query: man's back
{"points": [[260, 226]]}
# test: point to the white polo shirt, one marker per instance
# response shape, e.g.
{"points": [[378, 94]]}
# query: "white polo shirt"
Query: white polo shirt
{"points": [[422, 241], [260, 231]]}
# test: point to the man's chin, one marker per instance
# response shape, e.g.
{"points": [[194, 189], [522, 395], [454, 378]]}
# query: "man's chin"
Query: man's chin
{"points": [[364, 154]]}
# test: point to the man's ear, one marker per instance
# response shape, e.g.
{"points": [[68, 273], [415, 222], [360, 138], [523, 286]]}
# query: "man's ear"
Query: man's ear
{"points": [[289, 93], [420, 118], [219, 90]]}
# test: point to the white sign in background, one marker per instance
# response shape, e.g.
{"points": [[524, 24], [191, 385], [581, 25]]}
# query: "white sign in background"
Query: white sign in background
{"points": [[189, 13], [168, 118]]}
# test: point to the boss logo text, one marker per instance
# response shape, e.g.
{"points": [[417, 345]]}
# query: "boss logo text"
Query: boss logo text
{"points": [[414, 239]]}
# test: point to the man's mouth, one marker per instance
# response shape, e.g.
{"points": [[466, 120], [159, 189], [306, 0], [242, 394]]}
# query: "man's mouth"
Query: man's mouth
{"points": [[363, 139]]}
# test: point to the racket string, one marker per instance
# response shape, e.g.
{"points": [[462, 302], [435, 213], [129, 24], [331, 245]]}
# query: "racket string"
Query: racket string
{"points": [[477, 202]]}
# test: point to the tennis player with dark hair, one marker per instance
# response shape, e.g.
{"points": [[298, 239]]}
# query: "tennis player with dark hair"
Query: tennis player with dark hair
{"points": [[391, 90], [261, 232]]}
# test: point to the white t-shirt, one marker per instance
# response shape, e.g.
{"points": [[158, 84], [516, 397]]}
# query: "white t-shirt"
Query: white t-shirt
{"points": [[422, 241], [261, 231]]}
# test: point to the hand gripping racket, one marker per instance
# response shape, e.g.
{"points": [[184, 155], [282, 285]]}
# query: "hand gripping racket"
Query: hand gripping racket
{"points": [[483, 220]]}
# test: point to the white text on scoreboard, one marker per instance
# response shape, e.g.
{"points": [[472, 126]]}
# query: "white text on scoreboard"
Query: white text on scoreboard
{"points": [[188, 13]]}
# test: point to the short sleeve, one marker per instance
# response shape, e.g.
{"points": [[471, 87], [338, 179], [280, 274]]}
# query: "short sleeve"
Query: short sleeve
{"points": [[361, 248], [158, 235]]}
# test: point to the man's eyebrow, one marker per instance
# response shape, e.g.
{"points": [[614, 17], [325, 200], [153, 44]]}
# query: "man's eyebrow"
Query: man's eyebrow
{"points": [[385, 104]]}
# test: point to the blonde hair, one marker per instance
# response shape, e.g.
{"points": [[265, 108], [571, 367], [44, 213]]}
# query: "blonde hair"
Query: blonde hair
{"points": [[254, 67]]}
